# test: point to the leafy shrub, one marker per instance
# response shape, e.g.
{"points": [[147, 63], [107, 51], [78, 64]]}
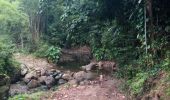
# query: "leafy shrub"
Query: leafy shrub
{"points": [[136, 84], [166, 62], [42, 48], [53, 53], [7, 64], [33, 96]]}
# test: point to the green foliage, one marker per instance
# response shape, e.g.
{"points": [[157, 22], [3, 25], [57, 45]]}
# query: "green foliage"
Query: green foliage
{"points": [[7, 64], [41, 50], [13, 21], [166, 62], [33, 96], [44, 50], [137, 83], [53, 53]]}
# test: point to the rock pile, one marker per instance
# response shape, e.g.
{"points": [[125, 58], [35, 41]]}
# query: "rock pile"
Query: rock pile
{"points": [[35, 78]]}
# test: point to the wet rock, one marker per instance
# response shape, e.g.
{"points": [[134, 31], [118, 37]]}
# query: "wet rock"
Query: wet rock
{"points": [[49, 81], [4, 86], [61, 81], [33, 84], [55, 74], [52, 72], [24, 69], [58, 76]]}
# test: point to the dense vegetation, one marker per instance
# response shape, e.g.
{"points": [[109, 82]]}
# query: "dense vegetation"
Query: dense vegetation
{"points": [[134, 33]]}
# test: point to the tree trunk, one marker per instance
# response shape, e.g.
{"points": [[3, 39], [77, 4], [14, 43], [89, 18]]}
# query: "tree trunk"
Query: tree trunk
{"points": [[22, 41]]}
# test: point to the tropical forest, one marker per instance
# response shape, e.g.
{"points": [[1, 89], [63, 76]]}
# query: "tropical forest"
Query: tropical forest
{"points": [[84, 50]]}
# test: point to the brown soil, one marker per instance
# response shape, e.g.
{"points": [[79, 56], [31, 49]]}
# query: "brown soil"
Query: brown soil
{"points": [[108, 90], [33, 63]]}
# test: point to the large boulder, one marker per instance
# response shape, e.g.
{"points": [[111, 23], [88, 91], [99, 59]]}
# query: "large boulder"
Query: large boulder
{"points": [[90, 66], [43, 72], [33, 84], [58, 76], [4, 86], [73, 83], [107, 66], [29, 76], [42, 79], [49, 81], [79, 76], [24, 69], [53, 72], [75, 55], [90, 76], [67, 77], [61, 81]]}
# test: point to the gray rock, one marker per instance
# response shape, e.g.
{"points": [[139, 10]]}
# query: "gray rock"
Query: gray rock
{"points": [[61, 81], [29, 76], [43, 72], [67, 77], [55, 74], [90, 66], [73, 83], [58, 77], [33, 84], [24, 69], [38, 73], [79, 76], [58, 71]]}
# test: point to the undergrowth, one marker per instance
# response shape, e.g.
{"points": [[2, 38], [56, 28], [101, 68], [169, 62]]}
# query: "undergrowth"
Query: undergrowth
{"points": [[33, 96]]}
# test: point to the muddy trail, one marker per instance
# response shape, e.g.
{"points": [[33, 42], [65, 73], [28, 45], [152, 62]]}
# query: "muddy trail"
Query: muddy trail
{"points": [[93, 89]]}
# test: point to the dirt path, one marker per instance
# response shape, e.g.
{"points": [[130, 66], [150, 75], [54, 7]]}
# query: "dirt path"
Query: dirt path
{"points": [[32, 62], [105, 90], [108, 90]]}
